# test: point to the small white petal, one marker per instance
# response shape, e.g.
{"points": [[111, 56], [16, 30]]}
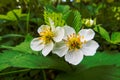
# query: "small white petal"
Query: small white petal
{"points": [[74, 57], [59, 34], [42, 27], [68, 31], [48, 47], [52, 24], [36, 44], [87, 33], [91, 22], [89, 49], [60, 49]]}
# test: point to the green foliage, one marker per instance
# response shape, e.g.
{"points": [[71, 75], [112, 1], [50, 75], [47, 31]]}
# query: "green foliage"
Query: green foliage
{"points": [[115, 37], [10, 35], [65, 10], [102, 32], [101, 58], [59, 15], [4, 4], [74, 20], [11, 58], [95, 73], [56, 17], [13, 15], [63, 13], [102, 66], [22, 47], [94, 8], [91, 66]]}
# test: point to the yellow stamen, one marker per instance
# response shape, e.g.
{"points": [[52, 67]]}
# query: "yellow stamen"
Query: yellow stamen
{"points": [[74, 41], [46, 35]]}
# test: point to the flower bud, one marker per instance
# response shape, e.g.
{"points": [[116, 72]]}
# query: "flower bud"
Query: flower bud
{"points": [[89, 22]]}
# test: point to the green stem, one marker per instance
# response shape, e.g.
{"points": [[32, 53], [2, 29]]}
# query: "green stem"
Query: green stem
{"points": [[44, 75], [27, 23], [23, 70]]}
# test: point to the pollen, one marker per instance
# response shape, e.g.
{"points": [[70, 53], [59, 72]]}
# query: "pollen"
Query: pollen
{"points": [[74, 41], [46, 35]]}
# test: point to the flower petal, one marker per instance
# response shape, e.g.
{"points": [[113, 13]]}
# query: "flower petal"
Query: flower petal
{"points": [[42, 27], [89, 49], [52, 24], [74, 57], [68, 31], [48, 47], [36, 44], [87, 33], [89, 22], [60, 49], [59, 34]]}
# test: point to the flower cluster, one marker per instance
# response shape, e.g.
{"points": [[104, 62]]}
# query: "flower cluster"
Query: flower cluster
{"points": [[64, 41]]}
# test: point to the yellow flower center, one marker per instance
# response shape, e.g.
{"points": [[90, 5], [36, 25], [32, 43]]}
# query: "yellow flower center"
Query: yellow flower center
{"points": [[46, 35], [74, 41]]}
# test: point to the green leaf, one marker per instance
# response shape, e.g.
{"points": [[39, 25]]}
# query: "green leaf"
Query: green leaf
{"points": [[11, 35], [38, 21], [115, 37], [102, 32], [57, 18], [102, 66], [63, 8], [74, 20], [3, 17], [101, 58], [11, 58], [95, 73], [13, 15], [98, 7], [3, 66], [23, 46]]}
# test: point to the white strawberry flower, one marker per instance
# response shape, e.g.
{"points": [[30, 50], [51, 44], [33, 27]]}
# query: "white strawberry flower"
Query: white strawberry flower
{"points": [[48, 36], [75, 46]]}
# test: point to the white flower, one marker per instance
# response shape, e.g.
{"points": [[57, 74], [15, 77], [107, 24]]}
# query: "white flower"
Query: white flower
{"points": [[48, 35], [75, 46]]}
